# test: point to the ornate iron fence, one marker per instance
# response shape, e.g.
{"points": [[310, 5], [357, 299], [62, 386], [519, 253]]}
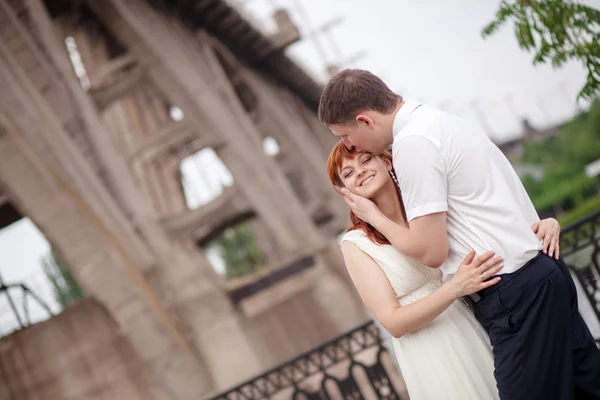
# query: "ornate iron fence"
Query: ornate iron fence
{"points": [[338, 369], [580, 248], [349, 365]]}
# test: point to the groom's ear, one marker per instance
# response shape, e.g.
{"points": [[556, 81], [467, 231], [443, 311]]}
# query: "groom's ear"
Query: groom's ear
{"points": [[364, 119]]}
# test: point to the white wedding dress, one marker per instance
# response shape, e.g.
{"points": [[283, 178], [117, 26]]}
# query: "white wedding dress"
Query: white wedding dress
{"points": [[451, 357]]}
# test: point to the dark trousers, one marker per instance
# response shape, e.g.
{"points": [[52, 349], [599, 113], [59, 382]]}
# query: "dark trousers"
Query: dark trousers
{"points": [[542, 347]]}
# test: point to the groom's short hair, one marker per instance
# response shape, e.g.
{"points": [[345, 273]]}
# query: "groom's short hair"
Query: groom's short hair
{"points": [[353, 91]]}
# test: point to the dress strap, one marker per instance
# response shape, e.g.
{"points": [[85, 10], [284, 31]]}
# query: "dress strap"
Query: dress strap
{"points": [[360, 239]]}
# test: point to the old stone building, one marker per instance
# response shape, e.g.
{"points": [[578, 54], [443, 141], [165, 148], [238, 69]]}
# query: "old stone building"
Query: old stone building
{"points": [[102, 102], [92, 156]]}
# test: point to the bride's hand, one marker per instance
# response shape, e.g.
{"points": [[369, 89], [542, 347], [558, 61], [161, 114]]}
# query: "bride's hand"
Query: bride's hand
{"points": [[473, 274], [362, 207]]}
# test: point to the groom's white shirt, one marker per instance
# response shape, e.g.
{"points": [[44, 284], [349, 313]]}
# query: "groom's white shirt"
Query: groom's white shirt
{"points": [[444, 163]]}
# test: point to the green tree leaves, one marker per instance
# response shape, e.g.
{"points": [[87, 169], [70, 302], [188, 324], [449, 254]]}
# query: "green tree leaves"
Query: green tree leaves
{"points": [[240, 253], [66, 288], [556, 31], [563, 158]]}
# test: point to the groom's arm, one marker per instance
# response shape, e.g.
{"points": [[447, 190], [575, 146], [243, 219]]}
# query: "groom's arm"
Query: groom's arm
{"points": [[423, 180], [426, 241]]}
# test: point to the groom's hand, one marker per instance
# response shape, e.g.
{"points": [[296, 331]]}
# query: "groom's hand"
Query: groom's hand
{"points": [[548, 232], [362, 207]]}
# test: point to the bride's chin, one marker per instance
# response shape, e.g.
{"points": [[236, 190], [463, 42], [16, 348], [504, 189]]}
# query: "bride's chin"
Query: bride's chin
{"points": [[379, 192], [374, 191], [373, 194]]}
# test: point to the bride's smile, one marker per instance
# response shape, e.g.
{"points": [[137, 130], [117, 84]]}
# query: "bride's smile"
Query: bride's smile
{"points": [[366, 181], [366, 175]]}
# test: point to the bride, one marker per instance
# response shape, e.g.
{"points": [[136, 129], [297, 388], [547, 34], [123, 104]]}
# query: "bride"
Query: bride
{"points": [[442, 350]]}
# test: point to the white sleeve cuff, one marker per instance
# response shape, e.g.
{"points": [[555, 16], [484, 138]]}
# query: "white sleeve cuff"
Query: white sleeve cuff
{"points": [[425, 209]]}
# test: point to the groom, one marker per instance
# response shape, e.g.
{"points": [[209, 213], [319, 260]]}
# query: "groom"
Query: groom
{"points": [[461, 193]]}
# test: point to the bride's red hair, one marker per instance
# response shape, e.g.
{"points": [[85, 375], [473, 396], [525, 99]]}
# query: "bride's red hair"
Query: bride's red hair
{"points": [[338, 155]]}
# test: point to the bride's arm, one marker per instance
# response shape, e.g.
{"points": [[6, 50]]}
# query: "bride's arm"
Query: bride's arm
{"points": [[379, 297]]}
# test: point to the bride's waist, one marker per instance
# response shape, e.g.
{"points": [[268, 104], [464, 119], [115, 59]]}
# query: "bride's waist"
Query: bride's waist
{"points": [[421, 292]]}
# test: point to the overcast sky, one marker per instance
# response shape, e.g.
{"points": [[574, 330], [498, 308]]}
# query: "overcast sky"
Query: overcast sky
{"points": [[428, 49], [433, 50]]}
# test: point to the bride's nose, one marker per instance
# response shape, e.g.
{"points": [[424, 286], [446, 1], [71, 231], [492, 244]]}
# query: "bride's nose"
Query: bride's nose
{"points": [[361, 172]]}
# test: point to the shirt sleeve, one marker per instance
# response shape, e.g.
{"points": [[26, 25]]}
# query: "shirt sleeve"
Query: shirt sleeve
{"points": [[422, 175]]}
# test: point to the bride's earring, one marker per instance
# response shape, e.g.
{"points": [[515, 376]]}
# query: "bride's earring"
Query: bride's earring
{"points": [[395, 179]]}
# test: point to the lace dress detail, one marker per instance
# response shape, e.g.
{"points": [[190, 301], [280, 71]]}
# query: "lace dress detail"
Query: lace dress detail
{"points": [[451, 357]]}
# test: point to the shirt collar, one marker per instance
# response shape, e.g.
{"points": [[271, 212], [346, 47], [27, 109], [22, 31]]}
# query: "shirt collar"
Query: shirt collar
{"points": [[403, 114]]}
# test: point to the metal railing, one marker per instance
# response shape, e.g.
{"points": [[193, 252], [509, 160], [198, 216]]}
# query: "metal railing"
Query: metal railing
{"points": [[16, 301], [349, 364], [580, 248]]}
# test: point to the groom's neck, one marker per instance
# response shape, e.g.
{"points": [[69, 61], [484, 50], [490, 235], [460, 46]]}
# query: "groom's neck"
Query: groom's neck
{"points": [[389, 121]]}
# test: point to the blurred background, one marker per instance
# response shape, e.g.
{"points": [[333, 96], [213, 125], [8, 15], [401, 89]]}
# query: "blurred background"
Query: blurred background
{"points": [[167, 226]]}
